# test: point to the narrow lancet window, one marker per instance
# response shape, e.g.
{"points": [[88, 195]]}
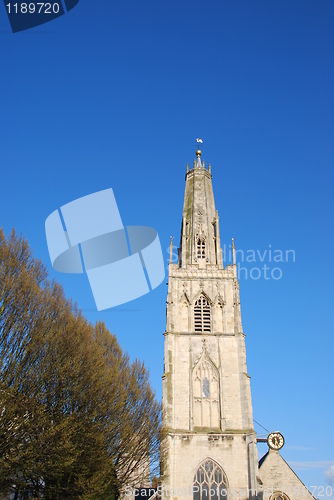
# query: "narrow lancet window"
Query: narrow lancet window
{"points": [[206, 388]]}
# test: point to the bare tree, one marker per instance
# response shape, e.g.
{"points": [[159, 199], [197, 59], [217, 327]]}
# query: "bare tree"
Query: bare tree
{"points": [[77, 419]]}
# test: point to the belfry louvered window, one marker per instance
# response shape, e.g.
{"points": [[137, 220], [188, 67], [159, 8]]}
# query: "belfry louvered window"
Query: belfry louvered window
{"points": [[201, 248], [202, 315]]}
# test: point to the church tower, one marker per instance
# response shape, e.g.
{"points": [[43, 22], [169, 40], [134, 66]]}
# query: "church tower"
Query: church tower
{"points": [[207, 404]]}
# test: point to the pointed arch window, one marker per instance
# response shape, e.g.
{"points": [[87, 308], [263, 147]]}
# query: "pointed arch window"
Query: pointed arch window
{"points": [[202, 315], [279, 495], [206, 408], [210, 482], [201, 248]]}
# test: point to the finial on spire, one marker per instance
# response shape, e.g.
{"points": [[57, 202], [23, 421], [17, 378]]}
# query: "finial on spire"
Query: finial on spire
{"points": [[198, 152], [171, 250], [233, 252]]}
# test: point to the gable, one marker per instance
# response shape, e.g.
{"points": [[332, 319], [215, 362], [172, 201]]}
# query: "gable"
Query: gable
{"points": [[201, 294], [277, 476]]}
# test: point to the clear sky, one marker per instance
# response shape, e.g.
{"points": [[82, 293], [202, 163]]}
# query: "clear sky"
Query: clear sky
{"points": [[114, 94]]}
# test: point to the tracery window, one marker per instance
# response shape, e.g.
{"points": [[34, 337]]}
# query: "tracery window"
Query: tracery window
{"points": [[210, 482], [278, 495], [201, 248], [206, 412], [202, 315]]}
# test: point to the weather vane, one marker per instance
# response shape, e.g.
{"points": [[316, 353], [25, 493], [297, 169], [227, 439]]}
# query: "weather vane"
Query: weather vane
{"points": [[199, 141]]}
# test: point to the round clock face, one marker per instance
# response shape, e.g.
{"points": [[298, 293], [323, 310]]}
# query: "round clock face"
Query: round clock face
{"points": [[275, 440]]}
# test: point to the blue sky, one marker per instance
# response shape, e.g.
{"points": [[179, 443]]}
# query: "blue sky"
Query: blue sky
{"points": [[114, 94]]}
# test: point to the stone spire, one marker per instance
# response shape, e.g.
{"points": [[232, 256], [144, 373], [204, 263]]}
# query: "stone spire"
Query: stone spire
{"points": [[200, 237]]}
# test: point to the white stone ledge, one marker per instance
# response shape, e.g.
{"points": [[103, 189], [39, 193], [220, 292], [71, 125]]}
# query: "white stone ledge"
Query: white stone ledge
{"points": [[204, 334]]}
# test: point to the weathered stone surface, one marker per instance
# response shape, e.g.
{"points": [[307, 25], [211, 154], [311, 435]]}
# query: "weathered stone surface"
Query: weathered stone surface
{"points": [[216, 424], [206, 388], [277, 476]]}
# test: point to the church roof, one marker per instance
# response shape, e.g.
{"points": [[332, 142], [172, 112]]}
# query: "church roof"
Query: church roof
{"points": [[274, 469], [263, 459]]}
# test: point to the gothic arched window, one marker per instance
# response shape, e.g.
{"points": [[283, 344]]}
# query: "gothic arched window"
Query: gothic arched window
{"points": [[202, 315], [206, 411], [200, 248], [210, 482], [278, 495]]}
